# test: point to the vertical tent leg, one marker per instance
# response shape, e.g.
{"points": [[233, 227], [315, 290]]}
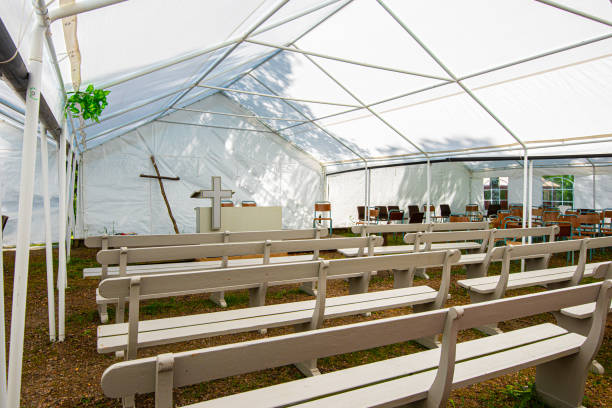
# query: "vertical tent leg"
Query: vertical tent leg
{"points": [[427, 213], [61, 270], [44, 160], [24, 220], [525, 211], [2, 316]]}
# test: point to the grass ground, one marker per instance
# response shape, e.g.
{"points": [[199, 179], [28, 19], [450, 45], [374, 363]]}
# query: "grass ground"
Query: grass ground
{"points": [[68, 374]]}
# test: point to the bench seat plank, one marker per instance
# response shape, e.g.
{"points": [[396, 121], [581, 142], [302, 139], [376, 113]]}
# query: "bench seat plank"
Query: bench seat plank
{"points": [[402, 249], [163, 331], [191, 266], [518, 280], [294, 392], [581, 311], [415, 387]]}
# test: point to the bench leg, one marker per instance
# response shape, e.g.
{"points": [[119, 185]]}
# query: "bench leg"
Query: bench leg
{"points": [[475, 271], [308, 287], [430, 342], [490, 329], [359, 284], [536, 264], [129, 402], [218, 298], [580, 326], [120, 312], [257, 297], [308, 367], [103, 312], [403, 278], [560, 383], [421, 273]]}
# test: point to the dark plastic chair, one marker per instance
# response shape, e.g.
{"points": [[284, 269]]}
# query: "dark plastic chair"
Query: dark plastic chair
{"points": [[493, 209], [396, 215], [383, 215], [416, 218], [445, 210], [361, 212], [412, 209]]}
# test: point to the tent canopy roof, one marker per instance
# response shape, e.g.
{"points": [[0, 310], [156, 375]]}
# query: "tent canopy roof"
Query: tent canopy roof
{"points": [[355, 80]]}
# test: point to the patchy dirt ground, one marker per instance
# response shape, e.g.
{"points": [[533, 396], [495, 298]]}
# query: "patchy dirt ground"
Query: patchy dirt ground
{"points": [[68, 374]]}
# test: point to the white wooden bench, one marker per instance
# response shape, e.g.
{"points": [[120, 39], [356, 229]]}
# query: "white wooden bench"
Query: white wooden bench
{"points": [[495, 287], [476, 264], [365, 230], [144, 241], [124, 256], [425, 378], [307, 314]]}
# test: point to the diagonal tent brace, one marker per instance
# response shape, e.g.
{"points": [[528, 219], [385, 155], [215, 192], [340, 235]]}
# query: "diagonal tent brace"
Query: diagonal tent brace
{"points": [[159, 178]]}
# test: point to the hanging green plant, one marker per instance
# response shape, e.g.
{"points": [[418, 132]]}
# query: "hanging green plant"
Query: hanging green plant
{"points": [[88, 104]]}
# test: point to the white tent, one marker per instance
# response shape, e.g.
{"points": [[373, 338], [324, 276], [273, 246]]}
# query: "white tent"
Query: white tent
{"points": [[356, 101]]}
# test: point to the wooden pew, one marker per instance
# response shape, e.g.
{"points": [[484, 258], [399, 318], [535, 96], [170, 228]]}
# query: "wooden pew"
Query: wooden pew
{"points": [[124, 256], [307, 315], [475, 263], [365, 230], [421, 379], [494, 287], [143, 241]]}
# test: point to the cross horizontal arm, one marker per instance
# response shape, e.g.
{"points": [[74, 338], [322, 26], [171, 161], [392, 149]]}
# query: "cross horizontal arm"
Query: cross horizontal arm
{"points": [[160, 177]]}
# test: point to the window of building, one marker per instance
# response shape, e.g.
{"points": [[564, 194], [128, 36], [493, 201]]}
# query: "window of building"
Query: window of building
{"points": [[495, 191], [557, 190]]}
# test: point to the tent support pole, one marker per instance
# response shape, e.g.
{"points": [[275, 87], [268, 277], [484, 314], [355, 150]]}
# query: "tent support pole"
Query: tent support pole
{"points": [[44, 160], [428, 212], [24, 218], [526, 185], [594, 186], [3, 395], [61, 224], [530, 208], [70, 206]]}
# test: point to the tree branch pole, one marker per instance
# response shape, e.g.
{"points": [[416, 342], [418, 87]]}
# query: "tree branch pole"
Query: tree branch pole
{"points": [[163, 192]]}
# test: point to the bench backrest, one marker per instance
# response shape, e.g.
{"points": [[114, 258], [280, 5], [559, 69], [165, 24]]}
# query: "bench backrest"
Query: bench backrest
{"points": [[487, 237], [446, 226], [160, 374], [123, 256], [140, 241], [233, 278]]}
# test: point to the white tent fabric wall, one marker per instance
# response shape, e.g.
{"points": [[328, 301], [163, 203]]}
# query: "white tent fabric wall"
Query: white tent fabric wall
{"points": [[11, 138], [402, 186], [583, 185], [256, 164]]}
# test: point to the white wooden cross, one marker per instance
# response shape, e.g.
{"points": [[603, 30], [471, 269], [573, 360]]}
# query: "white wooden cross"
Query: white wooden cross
{"points": [[216, 194]]}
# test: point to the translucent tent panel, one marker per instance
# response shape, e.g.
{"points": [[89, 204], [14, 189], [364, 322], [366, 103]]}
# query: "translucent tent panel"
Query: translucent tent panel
{"points": [[599, 8], [372, 85], [292, 75], [287, 33], [368, 135], [11, 106], [364, 32], [317, 143], [556, 104], [482, 34], [169, 31]]}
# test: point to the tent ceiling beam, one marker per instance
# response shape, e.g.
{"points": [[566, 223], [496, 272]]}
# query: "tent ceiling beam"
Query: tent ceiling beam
{"points": [[348, 61], [488, 159], [449, 73], [239, 115], [299, 111], [79, 7], [363, 105], [152, 68], [576, 12], [176, 122], [274, 96]]}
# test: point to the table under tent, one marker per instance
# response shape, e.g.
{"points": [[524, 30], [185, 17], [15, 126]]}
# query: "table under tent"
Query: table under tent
{"points": [[299, 117]]}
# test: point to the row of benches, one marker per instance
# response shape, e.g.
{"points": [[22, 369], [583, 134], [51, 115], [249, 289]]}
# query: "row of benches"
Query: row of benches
{"points": [[561, 358]]}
